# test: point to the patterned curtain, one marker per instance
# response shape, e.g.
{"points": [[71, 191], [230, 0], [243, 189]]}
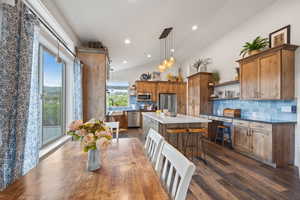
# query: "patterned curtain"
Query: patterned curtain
{"points": [[16, 61], [78, 98]]}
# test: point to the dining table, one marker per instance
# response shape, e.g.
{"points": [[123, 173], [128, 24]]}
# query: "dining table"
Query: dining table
{"points": [[125, 174]]}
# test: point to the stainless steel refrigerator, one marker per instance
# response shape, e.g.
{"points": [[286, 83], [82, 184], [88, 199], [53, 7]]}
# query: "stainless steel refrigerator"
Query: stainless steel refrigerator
{"points": [[168, 101]]}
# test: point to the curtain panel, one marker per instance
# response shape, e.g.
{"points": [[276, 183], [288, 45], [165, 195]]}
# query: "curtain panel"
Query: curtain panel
{"points": [[78, 95], [17, 92]]}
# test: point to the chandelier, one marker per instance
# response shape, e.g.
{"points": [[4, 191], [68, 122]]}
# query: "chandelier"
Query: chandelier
{"points": [[167, 50]]}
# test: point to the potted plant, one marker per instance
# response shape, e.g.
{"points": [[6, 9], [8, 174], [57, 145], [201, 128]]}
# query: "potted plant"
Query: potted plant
{"points": [[201, 64], [215, 76], [255, 46]]}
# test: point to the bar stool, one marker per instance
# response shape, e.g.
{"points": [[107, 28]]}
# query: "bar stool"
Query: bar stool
{"points": [[224, 134], [177, 132], [201, 134]]}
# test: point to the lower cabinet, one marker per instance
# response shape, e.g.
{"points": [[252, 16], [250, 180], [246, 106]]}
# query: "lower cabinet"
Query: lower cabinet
{"points": [[149, 123], [262, 144], [272, 144], [242, 139]]}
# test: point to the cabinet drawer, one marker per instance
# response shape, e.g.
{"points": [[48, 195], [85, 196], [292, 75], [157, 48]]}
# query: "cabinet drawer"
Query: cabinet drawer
{"points": [[260, 131], [240, 123], [261, 126]]}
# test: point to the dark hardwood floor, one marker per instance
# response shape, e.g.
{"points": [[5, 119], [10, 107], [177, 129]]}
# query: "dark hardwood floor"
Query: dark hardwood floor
{"points": [[230, 175]]}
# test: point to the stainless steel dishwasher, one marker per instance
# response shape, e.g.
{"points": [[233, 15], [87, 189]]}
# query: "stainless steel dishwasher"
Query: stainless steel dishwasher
{"points": [[134, 119]]}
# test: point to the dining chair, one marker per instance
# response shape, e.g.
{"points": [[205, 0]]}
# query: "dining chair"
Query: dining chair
{"points": [[153, 145], [175, 171], [112, 126]]}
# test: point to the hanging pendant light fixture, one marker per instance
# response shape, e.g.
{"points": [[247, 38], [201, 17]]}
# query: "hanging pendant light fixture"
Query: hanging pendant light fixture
{"points": [[167, 41]]}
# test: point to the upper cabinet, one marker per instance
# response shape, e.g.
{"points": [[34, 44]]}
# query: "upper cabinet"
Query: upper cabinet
{"points": [[269, 75], [199, 94], [158, 87], [147, 87]]}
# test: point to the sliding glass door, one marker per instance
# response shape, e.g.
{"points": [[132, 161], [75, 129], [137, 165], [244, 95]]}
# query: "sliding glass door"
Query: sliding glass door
{"points": [[52, 87]]}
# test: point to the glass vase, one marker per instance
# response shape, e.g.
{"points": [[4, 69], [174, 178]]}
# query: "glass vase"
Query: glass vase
{"points": [[94, 160]]}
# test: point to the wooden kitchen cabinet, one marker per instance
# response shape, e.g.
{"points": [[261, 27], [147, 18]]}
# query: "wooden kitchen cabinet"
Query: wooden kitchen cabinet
{"points": [[262, 144], [94, 78], [147, 87], [242, 139], [157, 87], [269, 75], [249, 81], [199, 94], [272, 144], [181, 98]]}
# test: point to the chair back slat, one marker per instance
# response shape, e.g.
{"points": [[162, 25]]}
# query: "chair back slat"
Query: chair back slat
{"points": [[175, 171], [175, 185], [169, 178], [153, 145]]}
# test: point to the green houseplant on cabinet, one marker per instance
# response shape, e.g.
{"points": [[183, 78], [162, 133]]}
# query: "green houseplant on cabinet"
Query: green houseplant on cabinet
{"points": [[255, 46], [215, 77]]}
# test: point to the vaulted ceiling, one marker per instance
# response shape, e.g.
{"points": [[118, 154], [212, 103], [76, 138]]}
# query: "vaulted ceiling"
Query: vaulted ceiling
{"points": [[142, 21]]}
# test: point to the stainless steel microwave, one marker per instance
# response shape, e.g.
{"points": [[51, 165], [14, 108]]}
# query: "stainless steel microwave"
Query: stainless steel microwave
{"points": [[144, 97]]}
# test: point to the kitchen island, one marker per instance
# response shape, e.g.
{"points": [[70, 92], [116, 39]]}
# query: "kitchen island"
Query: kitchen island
{"points": [[161, 123]]}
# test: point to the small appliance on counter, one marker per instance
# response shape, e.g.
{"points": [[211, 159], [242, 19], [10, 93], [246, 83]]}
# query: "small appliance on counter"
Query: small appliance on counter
{"points": [[144, 97], [235, 113]]}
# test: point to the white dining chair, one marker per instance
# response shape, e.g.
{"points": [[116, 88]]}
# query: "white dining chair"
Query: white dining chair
{"points": [[114, 126], [175, 171], [153, 145]]}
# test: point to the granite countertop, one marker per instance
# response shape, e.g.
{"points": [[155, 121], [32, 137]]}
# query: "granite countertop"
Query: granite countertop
{"points": [[179, 119], [271, 121]]}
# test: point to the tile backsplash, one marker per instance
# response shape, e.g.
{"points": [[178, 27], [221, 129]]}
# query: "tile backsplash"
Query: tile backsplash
{"points": [[258, 110]]}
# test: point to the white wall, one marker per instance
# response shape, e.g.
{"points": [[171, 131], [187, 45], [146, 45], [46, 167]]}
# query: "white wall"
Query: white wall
{"points": [[132, 74], [226, 50]]}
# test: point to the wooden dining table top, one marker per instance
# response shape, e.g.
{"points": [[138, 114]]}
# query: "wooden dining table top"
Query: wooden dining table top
{"points": [[125, 174]]}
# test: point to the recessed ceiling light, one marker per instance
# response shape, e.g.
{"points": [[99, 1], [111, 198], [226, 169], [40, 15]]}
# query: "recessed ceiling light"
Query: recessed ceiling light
{"points": [[125, 61], [127, 41], [172, 50], [195, 27], [149, 56]]}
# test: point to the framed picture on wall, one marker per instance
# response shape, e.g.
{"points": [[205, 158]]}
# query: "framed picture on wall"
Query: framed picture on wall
{"points": [[280, 37]]}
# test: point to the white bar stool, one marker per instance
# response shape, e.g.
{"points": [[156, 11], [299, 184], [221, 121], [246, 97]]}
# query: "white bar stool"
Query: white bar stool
{"points": [[112, 126]]}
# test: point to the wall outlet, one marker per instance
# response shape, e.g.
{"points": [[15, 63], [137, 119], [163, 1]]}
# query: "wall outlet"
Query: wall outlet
{"points": [[286, 109]]}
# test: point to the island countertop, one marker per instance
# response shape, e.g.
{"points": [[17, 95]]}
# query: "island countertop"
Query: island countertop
{"points": [[179, 119]]}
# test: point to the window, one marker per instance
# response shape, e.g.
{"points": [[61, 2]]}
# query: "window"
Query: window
{"points": [[117, 94], [52, 89]]}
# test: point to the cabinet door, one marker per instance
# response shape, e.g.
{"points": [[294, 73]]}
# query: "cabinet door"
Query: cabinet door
{"points": [[190, 96], [270, 76], [181, 98], [242, 139], [249, 80], [262, 144]]}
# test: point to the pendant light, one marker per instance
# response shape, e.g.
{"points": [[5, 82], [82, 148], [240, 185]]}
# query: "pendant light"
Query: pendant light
{"points": [[167, 41]]}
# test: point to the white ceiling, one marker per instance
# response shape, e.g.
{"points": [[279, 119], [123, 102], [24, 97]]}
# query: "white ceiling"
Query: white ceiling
{"points": [[111, 21]]}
